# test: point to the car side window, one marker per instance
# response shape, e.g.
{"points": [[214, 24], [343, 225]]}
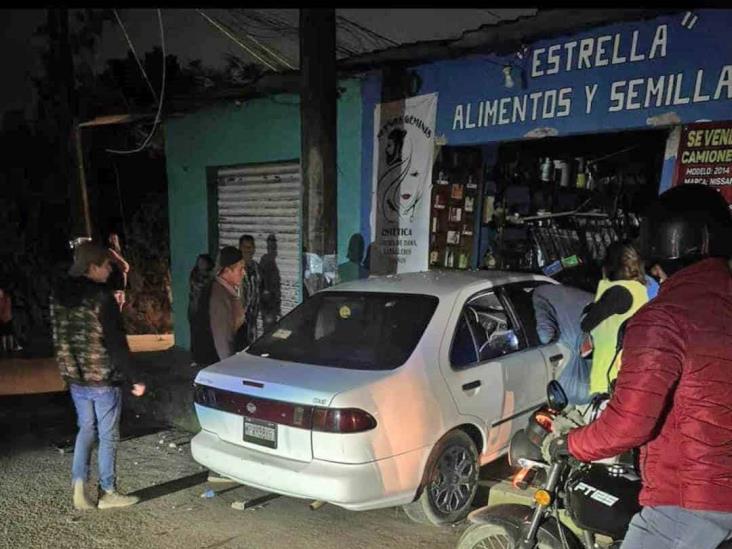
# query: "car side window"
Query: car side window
{"points": [[520, 296], [463, 352], [495, 330], [485, 331]]}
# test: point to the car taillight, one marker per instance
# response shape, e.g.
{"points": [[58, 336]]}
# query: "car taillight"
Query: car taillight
{"points": [[204, 395], [342, 420]]}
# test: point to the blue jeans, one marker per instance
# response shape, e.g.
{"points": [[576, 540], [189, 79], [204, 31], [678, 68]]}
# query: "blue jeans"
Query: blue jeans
{"points": [[97, 408], [667, 527]]}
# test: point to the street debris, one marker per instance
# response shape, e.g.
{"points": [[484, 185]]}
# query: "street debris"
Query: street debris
{"points": [[255, 503], [216, 478], [208, 494]]}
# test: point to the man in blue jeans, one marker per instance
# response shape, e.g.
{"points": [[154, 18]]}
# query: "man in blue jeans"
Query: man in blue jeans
{"points": [[94, 359]]}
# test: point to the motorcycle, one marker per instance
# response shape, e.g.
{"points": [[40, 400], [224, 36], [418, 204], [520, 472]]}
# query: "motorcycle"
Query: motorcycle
{"points": [[598, 498]]}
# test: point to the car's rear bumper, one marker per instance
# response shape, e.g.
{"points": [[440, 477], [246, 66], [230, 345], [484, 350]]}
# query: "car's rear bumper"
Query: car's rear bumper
{"points": [[383, 483]]}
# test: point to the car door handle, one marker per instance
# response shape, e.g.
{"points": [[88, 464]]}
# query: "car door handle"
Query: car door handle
{"points": [[556, 358], [472, 385]]}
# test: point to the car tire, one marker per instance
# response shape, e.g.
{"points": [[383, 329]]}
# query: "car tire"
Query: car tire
{"points": [[449, 482]]}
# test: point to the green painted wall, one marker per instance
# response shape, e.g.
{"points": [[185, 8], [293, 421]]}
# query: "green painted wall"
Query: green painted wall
{"points": [[260, 130]]}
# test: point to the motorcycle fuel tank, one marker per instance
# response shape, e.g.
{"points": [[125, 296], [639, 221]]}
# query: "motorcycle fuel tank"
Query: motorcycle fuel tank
{"points": [[603, 498]]}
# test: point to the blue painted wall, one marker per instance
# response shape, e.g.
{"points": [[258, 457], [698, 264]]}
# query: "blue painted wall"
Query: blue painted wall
{"points": [[371, 96]]}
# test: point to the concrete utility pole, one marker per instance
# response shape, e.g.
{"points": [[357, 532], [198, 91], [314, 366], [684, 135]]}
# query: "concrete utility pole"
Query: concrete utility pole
{"points": [[318, 101]]}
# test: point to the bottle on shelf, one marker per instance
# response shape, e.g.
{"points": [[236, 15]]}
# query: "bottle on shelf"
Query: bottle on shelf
{"points": [[581, 182], [547, 170]]}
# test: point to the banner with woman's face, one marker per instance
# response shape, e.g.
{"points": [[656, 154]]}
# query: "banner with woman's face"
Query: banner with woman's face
{"points": [[404, 149]]}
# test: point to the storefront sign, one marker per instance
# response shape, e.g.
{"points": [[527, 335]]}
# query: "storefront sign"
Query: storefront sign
{"points": [[705, 156], [669, 70], [404, 134]]}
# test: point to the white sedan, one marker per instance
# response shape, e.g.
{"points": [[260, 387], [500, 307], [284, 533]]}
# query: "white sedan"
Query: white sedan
{"points": [[381, 392]]}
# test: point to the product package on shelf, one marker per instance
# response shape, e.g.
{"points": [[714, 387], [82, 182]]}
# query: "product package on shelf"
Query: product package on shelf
{"points": [[455, 191]]}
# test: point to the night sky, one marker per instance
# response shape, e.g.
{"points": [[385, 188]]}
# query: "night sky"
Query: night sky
{"points": [[190, 37]]}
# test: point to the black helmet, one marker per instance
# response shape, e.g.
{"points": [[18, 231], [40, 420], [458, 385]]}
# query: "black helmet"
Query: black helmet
{"points": [[686, 224]]}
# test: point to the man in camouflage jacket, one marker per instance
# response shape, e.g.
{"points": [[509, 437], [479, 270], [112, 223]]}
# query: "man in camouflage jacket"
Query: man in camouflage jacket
{"points": [[94, 359]]}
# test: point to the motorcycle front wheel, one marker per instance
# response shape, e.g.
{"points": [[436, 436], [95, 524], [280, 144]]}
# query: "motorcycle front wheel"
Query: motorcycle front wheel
{"points": [[506, 536]]}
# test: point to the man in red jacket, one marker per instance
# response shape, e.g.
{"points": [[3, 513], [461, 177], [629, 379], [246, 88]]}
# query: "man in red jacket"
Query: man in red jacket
{"points": [[673, 396]]}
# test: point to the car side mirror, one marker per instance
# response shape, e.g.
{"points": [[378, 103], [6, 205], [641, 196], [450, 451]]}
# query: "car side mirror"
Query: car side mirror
{"points": [[555, 396]]}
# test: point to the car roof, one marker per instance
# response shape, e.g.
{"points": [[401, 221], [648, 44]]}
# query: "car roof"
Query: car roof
{"points": [[439, 283]]}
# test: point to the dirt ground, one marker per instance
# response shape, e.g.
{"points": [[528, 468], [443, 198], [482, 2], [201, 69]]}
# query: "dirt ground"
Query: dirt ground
{"points": [[36, 510], [36, 436]]}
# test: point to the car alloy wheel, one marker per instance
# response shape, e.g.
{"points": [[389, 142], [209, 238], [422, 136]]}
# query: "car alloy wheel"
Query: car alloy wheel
{"points": [[450, 481], [454, 484]]}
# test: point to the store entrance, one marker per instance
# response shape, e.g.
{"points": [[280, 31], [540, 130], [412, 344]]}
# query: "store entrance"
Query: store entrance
{"points": [[554, 203]]}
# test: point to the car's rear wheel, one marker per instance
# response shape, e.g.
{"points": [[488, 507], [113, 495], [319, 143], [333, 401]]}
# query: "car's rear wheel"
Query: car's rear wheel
{"points": [[449, 483]]}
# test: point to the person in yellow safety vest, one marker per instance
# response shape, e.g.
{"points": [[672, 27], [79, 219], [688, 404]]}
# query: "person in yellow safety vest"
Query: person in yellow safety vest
{"points": [[620, 293]]}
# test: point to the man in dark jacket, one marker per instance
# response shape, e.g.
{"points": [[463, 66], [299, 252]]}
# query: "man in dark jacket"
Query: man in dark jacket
{"points": [[226, 313], [220, 319], [94, 359], [673, 396]]}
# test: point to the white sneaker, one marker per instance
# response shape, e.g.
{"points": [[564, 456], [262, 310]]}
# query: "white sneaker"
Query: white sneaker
{"points": [[109, 500], [81, 502]]}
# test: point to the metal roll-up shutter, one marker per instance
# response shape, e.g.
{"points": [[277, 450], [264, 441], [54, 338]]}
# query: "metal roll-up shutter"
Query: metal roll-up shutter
{"points": [[264, 200]]}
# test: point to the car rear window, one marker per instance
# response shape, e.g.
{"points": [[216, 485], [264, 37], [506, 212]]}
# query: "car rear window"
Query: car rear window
{"points": [[356, 330]]}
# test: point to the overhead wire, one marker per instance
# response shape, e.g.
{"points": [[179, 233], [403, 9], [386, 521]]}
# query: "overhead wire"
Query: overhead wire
{"points": [[353, 35], [134, 54], [492, 13], [255, 28], [274, 54], [162, 95], [119, 196], [369, 31], [231, 36], [254, 19], [349, 43]]}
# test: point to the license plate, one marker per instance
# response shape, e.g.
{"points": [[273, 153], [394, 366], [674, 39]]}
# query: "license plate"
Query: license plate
{"points": [[263, 433]]}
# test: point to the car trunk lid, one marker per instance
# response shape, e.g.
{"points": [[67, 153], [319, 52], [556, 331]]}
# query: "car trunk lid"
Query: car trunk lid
{"points": [[268, 404]]}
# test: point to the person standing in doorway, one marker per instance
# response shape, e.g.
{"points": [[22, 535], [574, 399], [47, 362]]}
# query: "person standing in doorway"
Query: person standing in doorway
{"points": [[251, 286], [94, 358], [199, 291], [226, 312], [271, 300]]}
